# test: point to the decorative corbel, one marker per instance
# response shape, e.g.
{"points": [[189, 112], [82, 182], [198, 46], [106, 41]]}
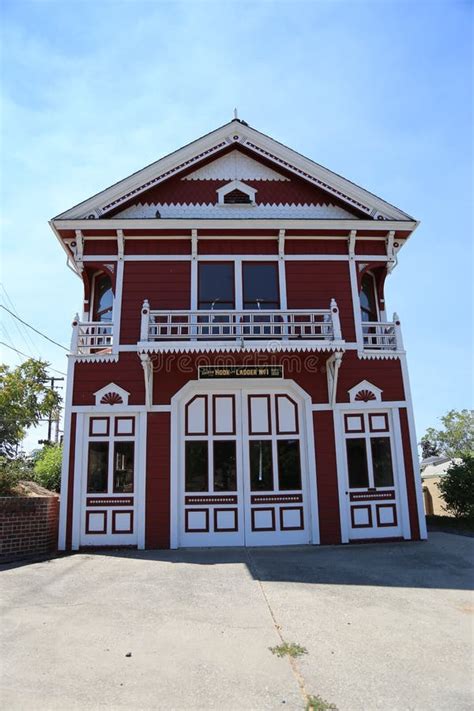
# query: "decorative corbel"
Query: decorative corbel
{"points": [[281, 244], [351, 243], [77, 247], [332, 368], [391, 251], [194, 244], [147, 366], [120, 244]]}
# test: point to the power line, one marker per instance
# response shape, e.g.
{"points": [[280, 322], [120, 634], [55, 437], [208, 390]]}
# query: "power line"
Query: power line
{"points": [[34, 329], [24, 335], [27, 356]]}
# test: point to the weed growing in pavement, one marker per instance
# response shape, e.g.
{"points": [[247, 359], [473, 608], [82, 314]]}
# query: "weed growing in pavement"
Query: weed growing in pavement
{"points": [[288, 649], [316, 703]]}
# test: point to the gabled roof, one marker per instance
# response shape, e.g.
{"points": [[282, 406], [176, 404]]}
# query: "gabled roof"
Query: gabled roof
{"points": [[237, 133]]}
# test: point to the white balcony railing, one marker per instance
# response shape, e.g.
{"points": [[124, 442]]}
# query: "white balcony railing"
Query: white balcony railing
{"points": [[307, 324], [382, 336], [91, 337]]}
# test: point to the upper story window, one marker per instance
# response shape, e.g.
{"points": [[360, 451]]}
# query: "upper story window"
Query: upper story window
{"points": [[260, 285], [368, 299], [216, 285], [258, 289], [103, 298]]}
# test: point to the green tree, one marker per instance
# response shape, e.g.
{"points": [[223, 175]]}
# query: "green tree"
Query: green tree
{"points": [[47, 471], [12, 471], [25, 399], [455, 440], [457, 488]]}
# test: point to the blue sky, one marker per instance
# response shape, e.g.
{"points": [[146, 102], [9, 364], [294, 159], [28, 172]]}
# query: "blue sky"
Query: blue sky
{"points": [[380, 92]]}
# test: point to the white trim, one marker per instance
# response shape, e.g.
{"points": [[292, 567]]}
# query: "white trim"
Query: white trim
{"points": [[235, 132], [338, 424], [234, 257], [117, 307], [66, 455], [414, 449], [230, 187], [79, 471], [402, 479], [365, 385], [111, 388], [356, 303], [371, 405], [244, 385], [141, 421], [115, 223]]}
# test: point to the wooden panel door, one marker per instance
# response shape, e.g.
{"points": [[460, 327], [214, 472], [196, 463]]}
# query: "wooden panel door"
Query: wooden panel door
{"points": [[372, 491]]}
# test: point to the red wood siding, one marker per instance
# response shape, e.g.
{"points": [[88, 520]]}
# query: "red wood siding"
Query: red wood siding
{"points": [[326, 475], [157, 527], [370, 246], [316, 246], [166, 285], [384, 374], [70, 483], [294, 191], [172, 371], [314, 284], [100, 246], [127, 372], [238, 246], [158, 246], [408, 459]]}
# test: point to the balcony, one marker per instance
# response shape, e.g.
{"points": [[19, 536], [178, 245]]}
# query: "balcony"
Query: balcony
{"points": [[382, 337], [91, 337], [317, 327]]}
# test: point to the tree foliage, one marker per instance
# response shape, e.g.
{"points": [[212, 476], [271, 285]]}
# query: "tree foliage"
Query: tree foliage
{"points": [[455, 440], [47, 471], [12, 471], [25, 399], [457, 488]]}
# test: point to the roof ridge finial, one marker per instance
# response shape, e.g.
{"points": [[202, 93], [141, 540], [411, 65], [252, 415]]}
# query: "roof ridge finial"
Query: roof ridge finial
{"points": [[236, 116]]}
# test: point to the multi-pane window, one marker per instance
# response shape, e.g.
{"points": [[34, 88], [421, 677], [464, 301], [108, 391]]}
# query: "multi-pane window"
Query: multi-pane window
{"points": [[111, 455], [258, 290], [368, 450]]}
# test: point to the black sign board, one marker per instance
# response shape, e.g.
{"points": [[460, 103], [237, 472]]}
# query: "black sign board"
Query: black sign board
{"points": [[211, 372]]}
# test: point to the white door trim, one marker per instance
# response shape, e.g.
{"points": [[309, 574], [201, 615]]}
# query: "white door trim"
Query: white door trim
{"points": [[247, 385]]}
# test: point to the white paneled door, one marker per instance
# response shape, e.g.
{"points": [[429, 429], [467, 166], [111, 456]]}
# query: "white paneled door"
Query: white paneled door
{"points": [[243, 470]]}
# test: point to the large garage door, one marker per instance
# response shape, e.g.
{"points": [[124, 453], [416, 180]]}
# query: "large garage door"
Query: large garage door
{"points": [[242, 475]]}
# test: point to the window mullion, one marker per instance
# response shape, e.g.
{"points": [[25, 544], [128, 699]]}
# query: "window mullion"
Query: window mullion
{"points": [[238, 285]]}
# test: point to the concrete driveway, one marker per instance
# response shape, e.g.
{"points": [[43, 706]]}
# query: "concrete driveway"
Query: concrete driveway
{"points": [[386, 626]]}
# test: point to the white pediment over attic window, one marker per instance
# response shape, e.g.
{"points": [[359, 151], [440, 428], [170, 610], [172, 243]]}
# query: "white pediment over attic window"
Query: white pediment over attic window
{"points": [[236, 193], [235, 166], [111, 394], [365, 392]]}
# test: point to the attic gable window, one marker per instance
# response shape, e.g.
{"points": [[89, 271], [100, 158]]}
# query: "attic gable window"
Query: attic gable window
{"points": [[236, 193], [236, 197]]}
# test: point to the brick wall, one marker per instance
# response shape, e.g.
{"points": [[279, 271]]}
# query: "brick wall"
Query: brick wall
{"points": [[28, 526]]}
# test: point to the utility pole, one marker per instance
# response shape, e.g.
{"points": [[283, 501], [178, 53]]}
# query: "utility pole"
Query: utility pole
{"points": [[53, 416]]}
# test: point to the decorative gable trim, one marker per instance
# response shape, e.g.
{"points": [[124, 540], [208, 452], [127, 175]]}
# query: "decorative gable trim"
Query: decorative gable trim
{"points": [[235, 185], [235, 166], [365, 392], [236, 132], [111, 394]]}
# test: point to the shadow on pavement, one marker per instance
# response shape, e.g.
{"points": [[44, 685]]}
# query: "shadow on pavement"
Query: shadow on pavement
{"points": [[444, 562]]}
